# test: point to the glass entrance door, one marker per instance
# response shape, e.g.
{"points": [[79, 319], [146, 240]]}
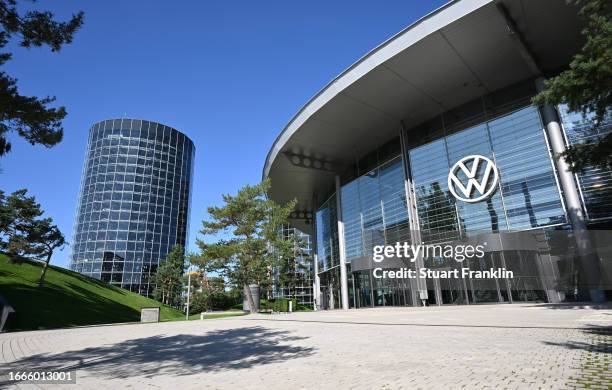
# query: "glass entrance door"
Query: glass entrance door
{"points": [[484, 290], [448, 291], [451, 291]]}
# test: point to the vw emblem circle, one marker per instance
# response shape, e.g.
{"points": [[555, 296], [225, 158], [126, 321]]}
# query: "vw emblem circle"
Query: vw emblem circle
{"points": [[484, 185]]}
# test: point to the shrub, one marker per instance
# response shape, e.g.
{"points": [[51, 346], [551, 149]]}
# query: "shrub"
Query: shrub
{"points": [[265, 304], [282, 305], [204, 301], [225, 300], [199, 302], [301, 307]]}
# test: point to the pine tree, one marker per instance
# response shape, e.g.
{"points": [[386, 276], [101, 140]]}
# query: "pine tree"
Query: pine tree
{"points": [[168, 277], [252, 222], [29, 116], [586, 86], [23, 234]]}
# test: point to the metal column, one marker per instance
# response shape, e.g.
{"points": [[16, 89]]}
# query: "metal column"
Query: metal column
{"points": [[567, 180], [341, 249], [316, 291], [413, 219], [316, 281]]}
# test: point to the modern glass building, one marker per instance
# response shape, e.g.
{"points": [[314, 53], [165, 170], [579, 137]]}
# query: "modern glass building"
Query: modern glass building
{"points": [[300, 271], [370, 158], [134, 201]]}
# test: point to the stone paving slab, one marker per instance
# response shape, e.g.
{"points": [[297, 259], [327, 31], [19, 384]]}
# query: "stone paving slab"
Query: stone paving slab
{"points": [[476, 347]]}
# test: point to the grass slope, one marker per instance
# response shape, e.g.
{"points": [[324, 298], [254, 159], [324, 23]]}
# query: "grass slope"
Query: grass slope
{"points": [[67, 299]]}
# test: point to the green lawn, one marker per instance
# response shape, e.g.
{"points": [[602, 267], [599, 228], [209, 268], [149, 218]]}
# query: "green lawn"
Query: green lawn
{"points": [[68, 299]]}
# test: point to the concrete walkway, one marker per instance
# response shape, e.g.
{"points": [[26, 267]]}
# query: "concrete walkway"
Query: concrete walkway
{"points": [[462, 347]]}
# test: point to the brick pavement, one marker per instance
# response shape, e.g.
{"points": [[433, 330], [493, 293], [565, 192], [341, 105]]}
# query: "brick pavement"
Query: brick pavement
{"points": [[468, 347]]}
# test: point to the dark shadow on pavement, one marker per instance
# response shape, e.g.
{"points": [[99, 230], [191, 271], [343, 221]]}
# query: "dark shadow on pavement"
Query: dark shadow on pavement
{"points": [[175, 355], [416, 324], [597, 339], [575, 305]]}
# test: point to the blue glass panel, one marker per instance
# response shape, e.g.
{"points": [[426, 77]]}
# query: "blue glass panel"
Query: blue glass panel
{"points": [[595, 183]]}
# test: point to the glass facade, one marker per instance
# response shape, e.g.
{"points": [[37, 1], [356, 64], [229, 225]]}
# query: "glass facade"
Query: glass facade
{"points": [[595, 183], [528, 195], [301, 288], [375, 211], [134, 201], [327, 235]]}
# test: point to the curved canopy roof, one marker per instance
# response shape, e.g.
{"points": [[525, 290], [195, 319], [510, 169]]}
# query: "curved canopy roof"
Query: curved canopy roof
{"points": [[461, 51]]}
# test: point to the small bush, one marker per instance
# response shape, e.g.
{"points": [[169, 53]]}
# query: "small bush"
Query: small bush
{"points": [[265, 305], [204, 301], [282, 305], [225, 301], [301, 307]]}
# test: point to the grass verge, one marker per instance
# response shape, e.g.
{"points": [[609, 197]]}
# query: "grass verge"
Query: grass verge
{"points": [[68, 299]]}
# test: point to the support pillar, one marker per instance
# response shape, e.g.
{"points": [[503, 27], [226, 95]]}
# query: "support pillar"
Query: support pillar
{"points": [[587, 258], [421, 295], [316, 283], [341, 249]]}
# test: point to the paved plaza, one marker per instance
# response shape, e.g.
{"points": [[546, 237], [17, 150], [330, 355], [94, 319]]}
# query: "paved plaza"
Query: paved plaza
{"points": [[460, 347]]}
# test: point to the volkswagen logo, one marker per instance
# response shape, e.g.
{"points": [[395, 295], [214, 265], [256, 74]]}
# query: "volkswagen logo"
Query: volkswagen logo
{"points": [[474, 177]]}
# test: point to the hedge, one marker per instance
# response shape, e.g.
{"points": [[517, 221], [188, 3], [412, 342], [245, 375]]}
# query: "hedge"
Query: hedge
{"points": [[282, 305]]}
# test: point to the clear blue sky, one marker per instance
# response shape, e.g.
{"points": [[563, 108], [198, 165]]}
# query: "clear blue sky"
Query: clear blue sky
{"points": [[229, 74]]}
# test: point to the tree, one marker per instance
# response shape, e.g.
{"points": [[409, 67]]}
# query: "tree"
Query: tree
{"points": [[252, 220], [168, 277], [17, 211], [30, 117], [209, 292], [44, 237], [586, 86], [23, 234]]}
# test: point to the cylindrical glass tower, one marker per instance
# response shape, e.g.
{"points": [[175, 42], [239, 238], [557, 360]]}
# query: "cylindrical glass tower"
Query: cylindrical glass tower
{"points": [[134, 201]]}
